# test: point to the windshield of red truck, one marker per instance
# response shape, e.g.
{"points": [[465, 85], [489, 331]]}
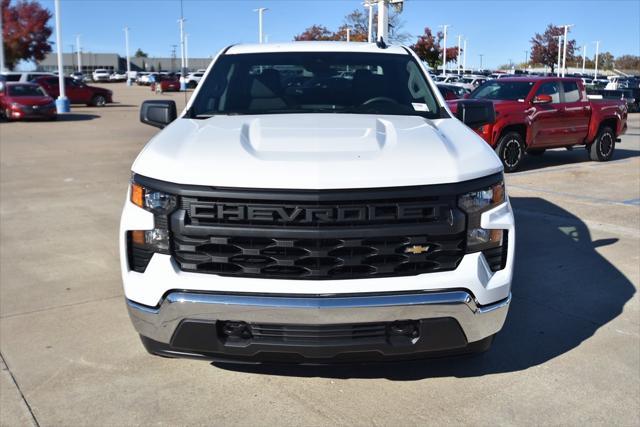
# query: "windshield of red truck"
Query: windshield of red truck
{"points": [[501, 90], [315, 82]]}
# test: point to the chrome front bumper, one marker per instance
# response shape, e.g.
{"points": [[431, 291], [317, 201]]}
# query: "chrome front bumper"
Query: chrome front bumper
{"points": [[477, 322]]}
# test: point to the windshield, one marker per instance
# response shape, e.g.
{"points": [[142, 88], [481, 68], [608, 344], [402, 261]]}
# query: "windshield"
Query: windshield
{"points": [[318, 82], [25, 90], [467, 80], [501, 90]]}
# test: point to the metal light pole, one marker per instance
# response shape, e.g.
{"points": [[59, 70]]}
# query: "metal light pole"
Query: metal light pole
{"points": [[383, 20], [526, 58], [62, 103], [444, 50], [186, 51], [79, 54], [260, 11], [595, 74], [459, 49], [480, 55], [584, 57], [369, 5], [126, 47], [183, 86], [464, 61], [2, 66], [559, 55], [348, 34], [564, 55]]}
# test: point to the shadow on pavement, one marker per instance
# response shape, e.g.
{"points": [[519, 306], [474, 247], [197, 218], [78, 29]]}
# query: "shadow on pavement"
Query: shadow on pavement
{"points": [[563, 292], [76, 117], [565, 157]]}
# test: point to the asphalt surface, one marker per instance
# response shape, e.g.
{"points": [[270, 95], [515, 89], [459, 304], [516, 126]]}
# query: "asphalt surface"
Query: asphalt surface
{"points": [[569, 353]]}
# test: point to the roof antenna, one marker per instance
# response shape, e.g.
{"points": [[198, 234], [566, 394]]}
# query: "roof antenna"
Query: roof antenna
{"points": [[381, 44]]}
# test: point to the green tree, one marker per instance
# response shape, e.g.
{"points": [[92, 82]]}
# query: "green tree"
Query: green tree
{"points": [[140, 54]]}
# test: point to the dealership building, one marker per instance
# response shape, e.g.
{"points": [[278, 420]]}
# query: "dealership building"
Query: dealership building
{"points": [[114, 62]]}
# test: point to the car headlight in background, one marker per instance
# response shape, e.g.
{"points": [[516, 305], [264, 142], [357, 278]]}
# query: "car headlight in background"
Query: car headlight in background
{"points": [[474, 204], [142, 244]]}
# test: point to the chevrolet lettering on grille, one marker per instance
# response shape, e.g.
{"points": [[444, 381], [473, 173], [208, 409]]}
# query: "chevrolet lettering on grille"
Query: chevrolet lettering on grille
{"points": [[310, 215]]}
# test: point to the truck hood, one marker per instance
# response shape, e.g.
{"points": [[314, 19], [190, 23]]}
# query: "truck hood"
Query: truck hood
{"points": [[316, 151]]}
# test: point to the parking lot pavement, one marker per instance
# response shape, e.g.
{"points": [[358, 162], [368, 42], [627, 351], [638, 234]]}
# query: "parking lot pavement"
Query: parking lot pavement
{"points": [[569, 352]]}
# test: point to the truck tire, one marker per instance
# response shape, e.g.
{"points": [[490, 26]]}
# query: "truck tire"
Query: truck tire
{"points": [[510, 150], [602, 148]]}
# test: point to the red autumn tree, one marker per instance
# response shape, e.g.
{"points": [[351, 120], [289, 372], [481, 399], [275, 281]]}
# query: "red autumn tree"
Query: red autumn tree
{"points": [[544, 47], [428, 48], [25, 31], [316, 32]]}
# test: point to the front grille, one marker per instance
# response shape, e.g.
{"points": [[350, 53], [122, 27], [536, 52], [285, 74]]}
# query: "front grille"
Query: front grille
{"points": [[318, 258], [318, 234]]}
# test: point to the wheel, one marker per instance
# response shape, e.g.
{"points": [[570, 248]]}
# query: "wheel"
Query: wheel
{"points": [[510, 150], [536, 152], [192, 85], [602, 148]]}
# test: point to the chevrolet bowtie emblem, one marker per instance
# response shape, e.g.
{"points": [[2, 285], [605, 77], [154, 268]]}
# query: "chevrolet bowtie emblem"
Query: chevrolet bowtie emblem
{"points": [[416, 249]]}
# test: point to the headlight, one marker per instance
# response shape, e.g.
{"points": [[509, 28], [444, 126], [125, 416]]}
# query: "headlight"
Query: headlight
{"points": [[474, 204], [16, 105], [142, 244]]}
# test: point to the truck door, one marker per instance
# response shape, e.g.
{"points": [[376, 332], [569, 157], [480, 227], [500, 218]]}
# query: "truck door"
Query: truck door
{"points": [[546, 119], [576, 110]]}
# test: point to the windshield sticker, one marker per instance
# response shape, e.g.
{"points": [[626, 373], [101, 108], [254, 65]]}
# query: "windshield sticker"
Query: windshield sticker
{"points": [[419, 106]]}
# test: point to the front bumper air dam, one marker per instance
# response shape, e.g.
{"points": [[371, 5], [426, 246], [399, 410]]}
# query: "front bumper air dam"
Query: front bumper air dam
{"points": [[188, 324]]}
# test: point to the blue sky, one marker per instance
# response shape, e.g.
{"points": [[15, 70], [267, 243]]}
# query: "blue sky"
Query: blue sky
{"points": [[499, 29]]}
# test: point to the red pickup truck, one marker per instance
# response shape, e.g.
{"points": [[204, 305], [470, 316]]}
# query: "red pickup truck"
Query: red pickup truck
{"points": [[534, 114]]}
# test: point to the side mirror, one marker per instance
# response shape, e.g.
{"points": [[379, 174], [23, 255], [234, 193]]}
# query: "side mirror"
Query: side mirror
{"points": [[158, 113], [476, 112], [542, 99]]}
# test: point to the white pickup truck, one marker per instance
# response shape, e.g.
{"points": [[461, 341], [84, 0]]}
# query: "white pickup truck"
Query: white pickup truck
{"points": [[316, 202]]}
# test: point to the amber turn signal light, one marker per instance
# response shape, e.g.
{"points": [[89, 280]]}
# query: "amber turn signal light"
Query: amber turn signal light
{"points": [[137, 195]]}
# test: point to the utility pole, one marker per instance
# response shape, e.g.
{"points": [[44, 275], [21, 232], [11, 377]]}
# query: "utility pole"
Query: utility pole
{"points": [[444, 50], [2, 66], [564, 55], [459, 49], [480, 55], [260, 11], [559, 55], [62, 103], [584, 57], [595, 74], [383, 20], [126, 48], [79, 53], [464, 61], [369, 5]]}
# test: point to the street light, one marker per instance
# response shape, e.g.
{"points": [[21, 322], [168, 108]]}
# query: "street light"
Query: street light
{"points": [[595, 74], [126, 47], [464, 61], [458, 57], [444, 49], [559, 55], [260, 11], [62, 103], [480, 55], [584, 58], [79, 54], [564, 55], [369, 5]]}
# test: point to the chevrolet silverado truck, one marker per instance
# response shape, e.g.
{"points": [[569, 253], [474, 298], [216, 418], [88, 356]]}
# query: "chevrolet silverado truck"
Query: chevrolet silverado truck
{"points": [[316, 202], [534, 114]]}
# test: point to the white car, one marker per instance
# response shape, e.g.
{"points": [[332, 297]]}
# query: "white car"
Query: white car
{"points": [[118, 76], [287, 216], [449, 78], [470, 82], [193, 79], [100, 75]]}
